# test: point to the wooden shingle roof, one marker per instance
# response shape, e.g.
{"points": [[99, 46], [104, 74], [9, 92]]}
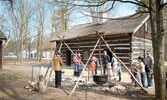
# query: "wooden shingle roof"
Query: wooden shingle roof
{"points": [[110, 27], [2, 36]]}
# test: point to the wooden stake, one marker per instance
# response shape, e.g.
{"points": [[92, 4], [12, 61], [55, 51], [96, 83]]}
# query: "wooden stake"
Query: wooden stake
{"points": [[88, 72], [123, 64], [100, 57]]}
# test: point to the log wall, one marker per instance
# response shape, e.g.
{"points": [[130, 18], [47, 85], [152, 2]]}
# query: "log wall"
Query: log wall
{"points": [[138, 46], [121, 46]]}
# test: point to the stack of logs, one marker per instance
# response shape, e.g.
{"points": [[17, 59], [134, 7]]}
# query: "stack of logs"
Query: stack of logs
{"points": [[32, 86], [36, 85]]}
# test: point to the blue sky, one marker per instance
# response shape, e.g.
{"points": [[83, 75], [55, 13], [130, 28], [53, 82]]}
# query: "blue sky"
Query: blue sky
{"points": [[119, 10]]}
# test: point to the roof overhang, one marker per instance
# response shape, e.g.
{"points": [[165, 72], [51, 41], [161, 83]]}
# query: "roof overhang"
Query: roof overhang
{"points": [[138, 27], [94, 36]]}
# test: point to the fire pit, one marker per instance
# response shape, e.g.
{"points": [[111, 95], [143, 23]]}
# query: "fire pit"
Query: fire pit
{"points": [[100, 79]]}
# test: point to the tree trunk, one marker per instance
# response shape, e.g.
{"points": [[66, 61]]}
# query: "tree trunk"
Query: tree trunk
{"points": [[21, 45], [0, 55], [158, 32], [29, 49], [38, 44], [41, 49]]}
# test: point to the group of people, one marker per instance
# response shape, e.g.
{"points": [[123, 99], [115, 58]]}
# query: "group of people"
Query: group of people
{"points": [[111, 66], [145, 68]]}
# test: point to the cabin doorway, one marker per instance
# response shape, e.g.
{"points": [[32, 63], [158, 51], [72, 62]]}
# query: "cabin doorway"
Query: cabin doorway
{"points": [[68, 58]]}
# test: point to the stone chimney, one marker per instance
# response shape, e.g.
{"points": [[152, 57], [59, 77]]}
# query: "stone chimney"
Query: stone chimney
{"points": [[103, 16]]}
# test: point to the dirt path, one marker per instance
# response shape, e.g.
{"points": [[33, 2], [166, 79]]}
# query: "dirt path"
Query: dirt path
{"points": [[14, 77]]}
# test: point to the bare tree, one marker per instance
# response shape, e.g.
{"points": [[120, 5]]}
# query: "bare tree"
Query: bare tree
{"points": [[40, 17], [60, 17], [19, 19]]}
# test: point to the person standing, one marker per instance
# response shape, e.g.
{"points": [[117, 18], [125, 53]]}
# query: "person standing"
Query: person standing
{"points": [[109, 71], [106, 60], [134, 71], [133, 66], [96, 62], [76, 62], [149, 62], [119, 70], [92, 66], [58, 63], [114, 65], [80, 58], [142, 70]]}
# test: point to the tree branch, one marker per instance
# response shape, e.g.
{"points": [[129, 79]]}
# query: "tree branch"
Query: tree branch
{"points": [[96, 5], [111, 7], [121, 18], [163, 5], [132, 2]]}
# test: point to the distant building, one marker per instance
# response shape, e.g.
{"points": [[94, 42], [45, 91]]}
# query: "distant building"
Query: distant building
{"points": [[46, 54]]}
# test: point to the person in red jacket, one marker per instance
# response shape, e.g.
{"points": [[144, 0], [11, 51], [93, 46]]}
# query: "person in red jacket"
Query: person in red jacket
{"points": [[79, 56], [93, 66]]}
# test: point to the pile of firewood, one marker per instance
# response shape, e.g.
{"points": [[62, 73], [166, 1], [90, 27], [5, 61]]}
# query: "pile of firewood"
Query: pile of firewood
{"points": [[36, 85], [32, 86]]}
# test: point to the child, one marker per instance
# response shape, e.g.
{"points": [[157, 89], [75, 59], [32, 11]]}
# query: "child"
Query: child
{"points": [[96, 62], [114, 61], [92, 66], [134, 71], [109, 70], [142, 70], [119, 70]]}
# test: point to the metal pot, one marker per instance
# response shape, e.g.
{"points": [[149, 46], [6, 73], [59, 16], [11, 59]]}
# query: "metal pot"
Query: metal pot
{"points": [[100, 79]]}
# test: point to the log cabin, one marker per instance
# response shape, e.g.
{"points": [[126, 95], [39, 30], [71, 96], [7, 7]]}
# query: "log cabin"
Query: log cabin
{"points": [[129, 37], [2, 37]]}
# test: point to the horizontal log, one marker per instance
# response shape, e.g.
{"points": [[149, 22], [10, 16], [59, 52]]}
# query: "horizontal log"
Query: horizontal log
{"points": [[140, 39], [123, 54], [95, 38], [122, 51], [102, 47]]}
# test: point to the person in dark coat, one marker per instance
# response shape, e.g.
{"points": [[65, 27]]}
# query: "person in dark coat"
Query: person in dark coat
{"points": [[149, 62], [106, 60]]}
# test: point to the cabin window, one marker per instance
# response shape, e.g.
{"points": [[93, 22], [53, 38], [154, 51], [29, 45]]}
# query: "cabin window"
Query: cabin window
{"points": [[146, 27], [142, 53], [86, 54]]}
